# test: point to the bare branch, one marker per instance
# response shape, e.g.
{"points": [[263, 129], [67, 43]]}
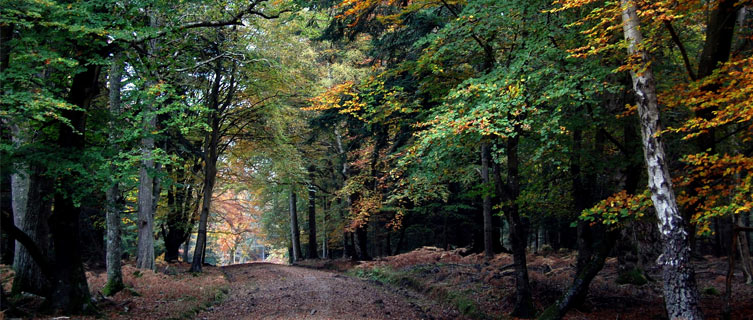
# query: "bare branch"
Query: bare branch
{"points": [[234, 20], [201, 63]]}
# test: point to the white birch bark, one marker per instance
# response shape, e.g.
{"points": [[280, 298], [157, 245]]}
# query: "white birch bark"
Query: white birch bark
{"points": [[680, 293]]}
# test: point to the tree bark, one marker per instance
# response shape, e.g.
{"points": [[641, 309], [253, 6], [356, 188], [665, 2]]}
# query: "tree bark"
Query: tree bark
{"points": [[348, 250], [742, 248], [210, 172], [680, 293], [186, 245], [518, 236], [7, 243], [487, 201], [145, 250], [211, 144], [31, 214], [361, 241], [579, 288], [19, 183], [294, 232], [311, 252], [30, 210], [180, 208], [585, 241], [326, 206], [114, 272], [716, 51], [719, 35], [580, 199], [348, 247], [145, 253], [45, 264], [70, 291]]}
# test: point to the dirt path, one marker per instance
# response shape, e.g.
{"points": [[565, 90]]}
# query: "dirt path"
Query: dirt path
{"points": [[271, 291]]}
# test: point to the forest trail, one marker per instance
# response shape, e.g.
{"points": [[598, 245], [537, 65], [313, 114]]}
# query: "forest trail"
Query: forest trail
{"points": [[273, 291]]}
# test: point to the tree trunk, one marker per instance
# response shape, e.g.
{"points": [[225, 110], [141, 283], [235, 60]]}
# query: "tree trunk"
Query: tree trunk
{"points": [[325, 249], [145, 250], [400, 239], [294, 232], [348, 250], [311, 252], [487, 201], [719, 35], [114, 272], [518, 236], [585, 233], [388, 243], [746, 220], [211, 149], [70, 291], [7, 243], [31, 215], [210, 173], [680, 293], [582, 280], [172, 239], [145, 253], [742, 248], [30, 212], [716, 51], [179, 215], [19, 184], [186, 247], [361, 238]]}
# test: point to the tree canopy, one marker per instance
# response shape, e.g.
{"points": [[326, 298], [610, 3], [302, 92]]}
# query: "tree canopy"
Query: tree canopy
{"points": [[197, 131]]}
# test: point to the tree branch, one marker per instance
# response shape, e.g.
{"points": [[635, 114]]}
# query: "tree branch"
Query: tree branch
{"points": [[614, 141], [36, 254], [236, 20], [676, 40]]}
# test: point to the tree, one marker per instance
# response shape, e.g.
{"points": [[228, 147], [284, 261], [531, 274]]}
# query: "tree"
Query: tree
{"points": [[114, 272], [311, 251], [147, 170], [680, 293], [70, 51], [295, 234]]}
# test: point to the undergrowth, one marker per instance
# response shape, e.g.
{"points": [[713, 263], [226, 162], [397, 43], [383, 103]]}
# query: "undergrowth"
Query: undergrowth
{"points": [[219, 296], [414, 278]]}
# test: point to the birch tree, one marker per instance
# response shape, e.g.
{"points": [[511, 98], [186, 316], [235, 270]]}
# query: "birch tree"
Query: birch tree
{"points": [[680, 293]]}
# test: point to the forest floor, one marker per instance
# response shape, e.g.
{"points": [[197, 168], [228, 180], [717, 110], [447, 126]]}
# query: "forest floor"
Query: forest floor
{"points": [[427, 283], [245, 291], [485, 289]]}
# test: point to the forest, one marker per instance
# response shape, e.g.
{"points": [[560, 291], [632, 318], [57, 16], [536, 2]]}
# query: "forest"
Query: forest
{"points": [[381, 159]]}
